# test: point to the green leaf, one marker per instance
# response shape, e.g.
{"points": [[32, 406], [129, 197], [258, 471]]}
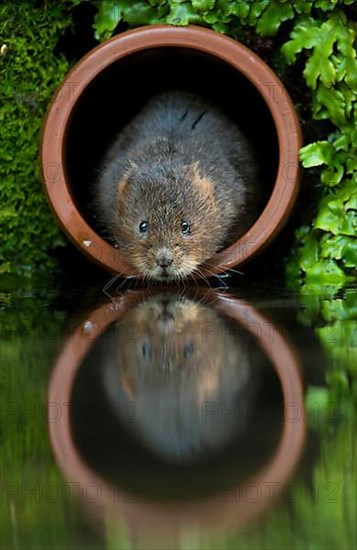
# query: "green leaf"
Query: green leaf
{"points": [[255, 11], [316, 395], [351, 164], [319, 66], [326, 272], [316, 399], [273, 16], [325, 5], [341, 309], [330, 103], [309, 252], [303, 6], [340, 247], [210, 18], [332, 175], [141, 13], [316, 154], [351, 204], [107, 18], [182, 13], [332, 217], [203, 6], [305, 35], [342, 142], [239, 9]]}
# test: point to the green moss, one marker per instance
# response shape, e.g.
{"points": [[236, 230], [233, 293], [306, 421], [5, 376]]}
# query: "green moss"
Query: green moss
{"points": [[37, 509], [317, 34], [29, 73]]}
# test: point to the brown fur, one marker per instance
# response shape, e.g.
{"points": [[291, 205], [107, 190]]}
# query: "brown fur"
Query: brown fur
{"points": [[179, 160], [175, 358]]}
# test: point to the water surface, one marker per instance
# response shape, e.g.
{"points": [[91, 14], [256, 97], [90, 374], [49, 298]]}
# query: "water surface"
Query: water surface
{"points": [[178, 419]]}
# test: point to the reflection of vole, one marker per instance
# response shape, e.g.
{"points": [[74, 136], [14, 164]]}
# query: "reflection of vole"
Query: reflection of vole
{"points": [[185, 372], [177, 185]]}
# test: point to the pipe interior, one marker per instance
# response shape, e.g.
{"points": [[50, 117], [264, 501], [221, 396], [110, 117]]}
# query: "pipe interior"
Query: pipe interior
{"points": [[104, 435], [122, 89]]}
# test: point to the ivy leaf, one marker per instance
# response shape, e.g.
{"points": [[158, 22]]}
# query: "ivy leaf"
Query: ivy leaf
{"points": [[332, 175], [319, 66], [330, 103], [141, 13], [239, 9], [340, 247], [349, 253], [305, 35], [303, 6], [341, 310], [316, 154], [351, 164], [348, 191], [210, 18], [273, 16], [316, 399], [343, 142], [345, 36], [106, 19], [309, 253], [326, 272], [332, 217], [351, 72], [181, 14], [351, 204], [203, 6], [325, 5], [255, 11]]}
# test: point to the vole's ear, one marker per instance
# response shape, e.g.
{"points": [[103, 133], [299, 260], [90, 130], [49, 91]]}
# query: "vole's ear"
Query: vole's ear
{"points": [[124, 181], [202, 182], [122, 188], [128, 383]]}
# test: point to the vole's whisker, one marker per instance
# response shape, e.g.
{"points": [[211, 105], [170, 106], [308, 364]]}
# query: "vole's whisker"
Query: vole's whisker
{"points": [[235, 271], [201, 275], [228, 270], [212, 274]]}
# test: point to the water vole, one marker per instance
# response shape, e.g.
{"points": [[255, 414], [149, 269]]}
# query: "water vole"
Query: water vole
{"points": [[174, 360], [177, 185]]}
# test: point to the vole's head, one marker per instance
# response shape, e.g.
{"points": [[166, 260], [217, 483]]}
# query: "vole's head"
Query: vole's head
{"points": [[171, 364], [167, 220]]}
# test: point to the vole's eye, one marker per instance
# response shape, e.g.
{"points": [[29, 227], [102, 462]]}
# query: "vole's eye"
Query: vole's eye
{"points": [[146, 351], [144, 227], [188, 350], [185, 228]]}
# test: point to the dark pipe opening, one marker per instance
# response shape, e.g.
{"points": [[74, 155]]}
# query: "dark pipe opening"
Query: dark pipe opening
{"points": [[114, 450], [121, 90]]}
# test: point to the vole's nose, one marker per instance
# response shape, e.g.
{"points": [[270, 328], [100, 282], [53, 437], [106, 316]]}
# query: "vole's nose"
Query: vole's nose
{"points": [[164, 258]]}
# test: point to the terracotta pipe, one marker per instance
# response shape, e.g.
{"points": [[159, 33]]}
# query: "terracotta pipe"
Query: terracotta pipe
{"points": [[156, 39], [144, 515]]}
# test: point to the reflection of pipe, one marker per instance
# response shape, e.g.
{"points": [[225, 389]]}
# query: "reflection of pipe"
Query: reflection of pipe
{"points": [[193, 39], [145, 516]]}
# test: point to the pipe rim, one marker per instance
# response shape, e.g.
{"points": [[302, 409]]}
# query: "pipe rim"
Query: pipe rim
{"points": [[226, 49]]}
